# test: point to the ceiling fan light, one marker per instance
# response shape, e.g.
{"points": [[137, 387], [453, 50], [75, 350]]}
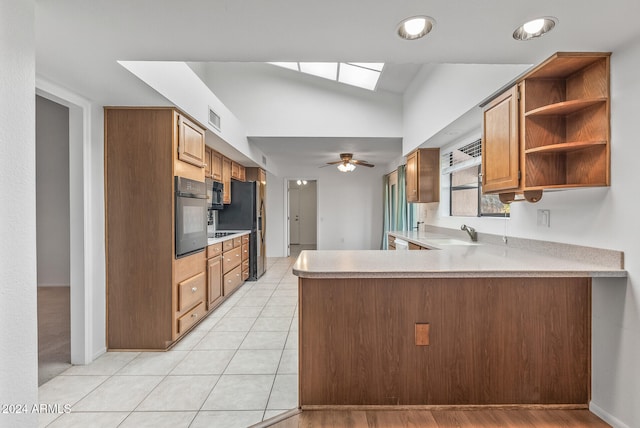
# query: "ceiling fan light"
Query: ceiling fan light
{"points": [[346, 167]]}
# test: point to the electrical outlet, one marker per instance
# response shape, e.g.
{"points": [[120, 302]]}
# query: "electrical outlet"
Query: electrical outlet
{"points": [[544, 218]]}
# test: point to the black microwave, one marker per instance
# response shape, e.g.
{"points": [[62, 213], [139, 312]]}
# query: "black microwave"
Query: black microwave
{"points": [[214, 194]]}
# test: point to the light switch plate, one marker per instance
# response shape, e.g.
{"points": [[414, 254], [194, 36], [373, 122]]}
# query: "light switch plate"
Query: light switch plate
{"points": [[544, 218]]}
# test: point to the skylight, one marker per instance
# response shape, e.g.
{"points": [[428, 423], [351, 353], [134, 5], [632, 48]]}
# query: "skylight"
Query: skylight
{"points": [[361, 74]]}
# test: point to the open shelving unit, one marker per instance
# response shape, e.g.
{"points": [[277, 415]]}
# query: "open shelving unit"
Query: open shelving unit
{"points": [[564, 132]]}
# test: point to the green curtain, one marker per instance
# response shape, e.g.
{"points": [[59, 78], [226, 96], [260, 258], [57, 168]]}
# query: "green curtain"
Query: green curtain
{"points": [[386, 213], [401, 208]]}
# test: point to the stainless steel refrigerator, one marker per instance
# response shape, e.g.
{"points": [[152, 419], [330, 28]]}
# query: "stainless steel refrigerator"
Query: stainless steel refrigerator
{"points": [[247, 212]]}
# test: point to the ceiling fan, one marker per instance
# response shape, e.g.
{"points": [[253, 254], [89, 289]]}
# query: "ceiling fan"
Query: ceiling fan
{"points": [[348, 164]]}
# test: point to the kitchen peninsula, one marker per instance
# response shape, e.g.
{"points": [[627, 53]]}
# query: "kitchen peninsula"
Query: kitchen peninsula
{"points": [[464, 324]]}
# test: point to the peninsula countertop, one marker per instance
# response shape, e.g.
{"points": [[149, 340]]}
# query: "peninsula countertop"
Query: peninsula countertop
{"points": [[450, 257]]}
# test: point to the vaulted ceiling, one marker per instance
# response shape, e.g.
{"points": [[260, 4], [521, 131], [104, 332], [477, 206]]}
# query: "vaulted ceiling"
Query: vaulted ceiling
{"points": [[79, 41]]}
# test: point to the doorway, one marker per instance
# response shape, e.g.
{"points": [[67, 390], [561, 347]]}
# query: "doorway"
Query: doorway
{"points": [[302, 197], [53, 238]]}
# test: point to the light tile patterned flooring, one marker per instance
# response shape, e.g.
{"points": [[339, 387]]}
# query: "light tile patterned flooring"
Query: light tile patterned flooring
{"points": [[238, 367]]}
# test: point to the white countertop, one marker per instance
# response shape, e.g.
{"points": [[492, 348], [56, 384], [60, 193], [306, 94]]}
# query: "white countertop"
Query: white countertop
{"points": [[235, 234], [449, 258]]}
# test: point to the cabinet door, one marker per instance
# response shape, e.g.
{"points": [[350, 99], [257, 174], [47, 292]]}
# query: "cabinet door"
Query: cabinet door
{"points": [[500, 144], [412, 177], [214, 279], [216, 165], [208, 160], [226, 180], [191, 144]]}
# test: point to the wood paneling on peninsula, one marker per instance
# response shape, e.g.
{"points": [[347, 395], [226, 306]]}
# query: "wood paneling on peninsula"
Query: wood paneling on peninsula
{"points": [[492, 341]]}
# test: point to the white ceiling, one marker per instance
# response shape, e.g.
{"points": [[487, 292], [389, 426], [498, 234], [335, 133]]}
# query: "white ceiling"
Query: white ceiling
{"points": [[79, 41]]}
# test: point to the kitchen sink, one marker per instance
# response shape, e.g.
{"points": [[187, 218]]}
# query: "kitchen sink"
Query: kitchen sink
{"points": [[449, 241]]}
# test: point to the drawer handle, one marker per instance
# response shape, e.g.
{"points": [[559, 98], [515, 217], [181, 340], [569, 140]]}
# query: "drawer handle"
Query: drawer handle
{"points": [[194, 289], [237, 274], [237, 255], [194, 315]]}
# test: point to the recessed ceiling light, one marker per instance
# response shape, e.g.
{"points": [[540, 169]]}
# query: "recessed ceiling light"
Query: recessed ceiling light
{"points": [[415, 27], [535, 28]]}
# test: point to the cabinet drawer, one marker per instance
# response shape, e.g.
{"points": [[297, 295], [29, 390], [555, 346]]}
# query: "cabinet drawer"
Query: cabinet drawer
{"points": [[232, 280], [191, 291], [413, 246], [245, 265], [214, 250], [190, 318], [245, 252], [245, 239], [237, 242], [227, 245], [231, 259], [245, 275]]}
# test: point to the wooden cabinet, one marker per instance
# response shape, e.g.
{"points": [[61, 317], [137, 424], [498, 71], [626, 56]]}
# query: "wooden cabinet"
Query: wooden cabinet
{"points": [[563, 128], [500, 144], [216, 165], [191, 147], [226, 180], [413, 246], [423, 175], [245, 257], [214, 281], [146, 293], [256, 174], [392, 242], [208, 162], [237, 171], [232, 264]]}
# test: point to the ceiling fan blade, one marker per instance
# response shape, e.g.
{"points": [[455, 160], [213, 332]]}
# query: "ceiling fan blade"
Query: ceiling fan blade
{"points": [[335, 163], [362, 163]]}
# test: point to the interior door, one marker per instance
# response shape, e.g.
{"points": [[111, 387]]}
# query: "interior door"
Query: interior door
{"points": [[294, 216]]}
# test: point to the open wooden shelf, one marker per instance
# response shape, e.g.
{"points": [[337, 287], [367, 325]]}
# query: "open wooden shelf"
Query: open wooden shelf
{"points": [[565, 107], [566, 147]]}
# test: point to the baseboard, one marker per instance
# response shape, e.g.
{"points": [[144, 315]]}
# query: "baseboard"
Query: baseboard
{"points": [[98, 353], [607, 417]]}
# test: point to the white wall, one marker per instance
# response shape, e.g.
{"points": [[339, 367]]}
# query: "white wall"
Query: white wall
{"points": [[52, 193], [271, 101], [605, 218], [18, 308], [349, 208], [441, 93]]}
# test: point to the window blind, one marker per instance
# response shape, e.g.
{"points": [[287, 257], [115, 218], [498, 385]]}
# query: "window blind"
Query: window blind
{"points": [[461, 158]]}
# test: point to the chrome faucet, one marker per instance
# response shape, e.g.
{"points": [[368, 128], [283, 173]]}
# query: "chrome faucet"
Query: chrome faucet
{"points": [[471, 231], [417, 226]]}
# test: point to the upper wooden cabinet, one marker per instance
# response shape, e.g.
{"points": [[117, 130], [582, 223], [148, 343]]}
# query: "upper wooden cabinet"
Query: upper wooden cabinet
{"points": [[191, 147], [563, 127], [216, 165], [237, 171], [423, 175], [500, 144], [208, 160], [226, 180]]}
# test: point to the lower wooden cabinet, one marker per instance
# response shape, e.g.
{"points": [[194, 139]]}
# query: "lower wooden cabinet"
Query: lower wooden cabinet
{"points": [[191, 291], [232, 280], [214, 281], [191, 317]]}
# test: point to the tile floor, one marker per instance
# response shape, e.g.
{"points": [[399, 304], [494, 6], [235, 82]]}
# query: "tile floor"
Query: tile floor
{"points": [[238, 367]]}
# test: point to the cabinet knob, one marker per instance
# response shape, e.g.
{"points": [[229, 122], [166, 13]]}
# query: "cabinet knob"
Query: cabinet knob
{"points": [[194, 289], [194, 315]]}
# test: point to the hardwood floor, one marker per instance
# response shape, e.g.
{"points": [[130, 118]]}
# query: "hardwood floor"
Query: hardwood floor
{"points": [[54, 334], [490, 418]]}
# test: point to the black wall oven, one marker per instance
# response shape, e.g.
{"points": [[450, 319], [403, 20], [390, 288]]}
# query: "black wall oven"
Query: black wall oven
{"points": [[191, 216]]}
